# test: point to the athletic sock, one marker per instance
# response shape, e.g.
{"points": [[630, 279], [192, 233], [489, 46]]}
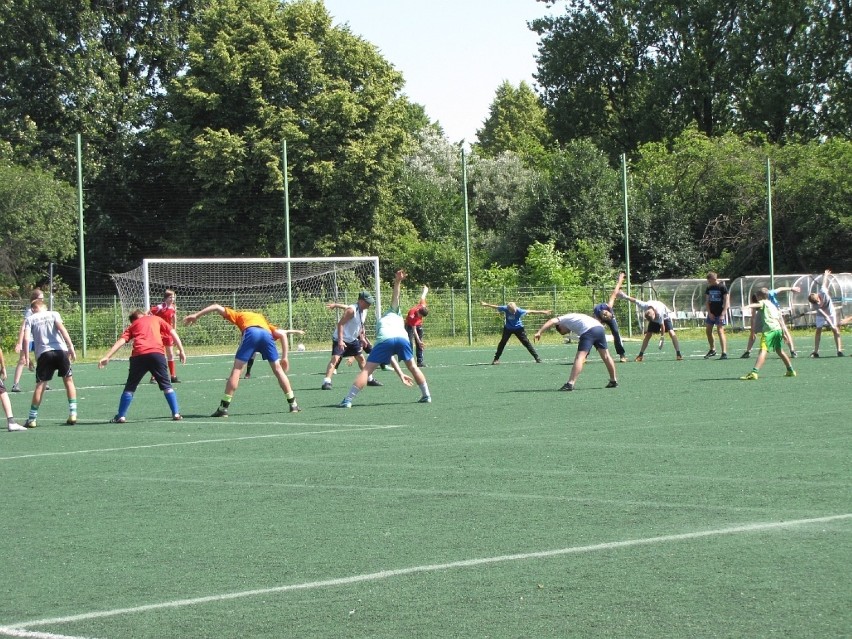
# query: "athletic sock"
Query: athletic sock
{"points": [[33, 413], [124, 403], [424, 388], [226, 400], [755, 371], [172, 368], [171, 398], [72, 407], [353, 391]]}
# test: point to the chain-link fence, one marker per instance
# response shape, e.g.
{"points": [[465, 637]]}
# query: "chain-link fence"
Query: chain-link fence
{"points": [[449, 321]]}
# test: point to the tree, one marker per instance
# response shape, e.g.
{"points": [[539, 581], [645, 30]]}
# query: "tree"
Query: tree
{"points": [[516, 123], [285, 74], [625, 72], [38, 224]]}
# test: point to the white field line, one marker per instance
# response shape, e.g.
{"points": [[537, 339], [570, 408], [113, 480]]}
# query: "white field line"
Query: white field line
{"points": [[33, 634], [329, 431], [428, 568]]}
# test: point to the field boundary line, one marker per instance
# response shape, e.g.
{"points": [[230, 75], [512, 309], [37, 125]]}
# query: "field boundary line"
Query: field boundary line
{"points": [[428, 568], [330, 431]]}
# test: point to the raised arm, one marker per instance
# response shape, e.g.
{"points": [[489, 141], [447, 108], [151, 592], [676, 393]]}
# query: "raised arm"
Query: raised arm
{"points": [[624, 296], [825, 279], [617, 288], [397, 286], [190, 319]]}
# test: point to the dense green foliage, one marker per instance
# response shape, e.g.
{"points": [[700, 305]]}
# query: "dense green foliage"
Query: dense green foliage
{"points": [[184, 107]]}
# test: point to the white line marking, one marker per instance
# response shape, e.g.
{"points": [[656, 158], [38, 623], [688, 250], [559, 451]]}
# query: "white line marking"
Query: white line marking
{"points": [[467, 563], [213, 441], [14, 632]]}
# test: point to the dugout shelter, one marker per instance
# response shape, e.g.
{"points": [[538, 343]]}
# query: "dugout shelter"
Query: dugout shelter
{"points": [[794, 306], [686, 298]]}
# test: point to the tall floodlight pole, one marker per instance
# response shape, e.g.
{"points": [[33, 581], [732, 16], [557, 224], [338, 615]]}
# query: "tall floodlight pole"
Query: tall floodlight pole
{"points": [[626, 236], [769, 218], [287, 232], [467, 248], [81, 242]]}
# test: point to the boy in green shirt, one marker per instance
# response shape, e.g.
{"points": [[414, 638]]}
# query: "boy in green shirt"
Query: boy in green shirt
{"points": [[772, 336]]}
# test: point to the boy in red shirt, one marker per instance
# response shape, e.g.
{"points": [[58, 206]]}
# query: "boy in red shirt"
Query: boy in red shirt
{"points": [[167, 310], [414, 326], [148, 356]]}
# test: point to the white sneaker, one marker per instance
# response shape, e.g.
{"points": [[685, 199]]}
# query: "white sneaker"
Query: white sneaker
{"points": [[13, 427]]}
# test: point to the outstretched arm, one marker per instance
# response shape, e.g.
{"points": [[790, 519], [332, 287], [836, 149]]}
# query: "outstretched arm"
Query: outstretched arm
{"points": [[336, 305], [617, 288], [105, 359], [553, 321], [784, 289], [486, 304], [190, 319], [825, 278], [624, 296], [532, 312]]}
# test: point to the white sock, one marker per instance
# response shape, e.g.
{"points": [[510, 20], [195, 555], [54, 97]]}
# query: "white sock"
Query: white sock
{"points": [[424, 388]]}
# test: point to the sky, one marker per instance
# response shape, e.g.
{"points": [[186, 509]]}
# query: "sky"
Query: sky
{"points": [[453, 54]]}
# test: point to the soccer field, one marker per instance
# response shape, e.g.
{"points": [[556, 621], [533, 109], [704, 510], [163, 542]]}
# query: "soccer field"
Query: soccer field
{"points": [[684, 503]]}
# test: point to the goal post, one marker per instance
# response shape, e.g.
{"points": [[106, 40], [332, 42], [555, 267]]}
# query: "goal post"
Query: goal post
{"points": [[291, 292]]}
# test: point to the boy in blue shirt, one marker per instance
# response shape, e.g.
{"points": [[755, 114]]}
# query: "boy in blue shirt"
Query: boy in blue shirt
{"points": [[515, 326]]}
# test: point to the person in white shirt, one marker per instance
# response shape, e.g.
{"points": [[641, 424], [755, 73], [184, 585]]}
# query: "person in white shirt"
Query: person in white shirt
{"points": [[659, 322], [823, 306], [592, 334]]}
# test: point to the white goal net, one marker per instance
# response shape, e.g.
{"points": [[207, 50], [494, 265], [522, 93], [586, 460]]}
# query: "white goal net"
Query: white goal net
{"points": [[292, 293]]}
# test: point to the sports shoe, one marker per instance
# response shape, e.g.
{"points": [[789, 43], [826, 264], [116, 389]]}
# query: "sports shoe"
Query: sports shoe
{"points": [[327, 385], [639, 358], [220, 412], [751, 375], [612, 384], [175, 380], [814, 354], [567, 386], [152, 381], [724, 356], [679, 357], [495, 362], [248, 376], [537, 361], [13, 427], [840, 354], [177, 417], [71, 421], [426, 399], [794, 354], [118, 420], [295, 408], [30, 423], [16, 388], [622, 359], [790, 374], [745, 355], [374, 382], [710, 353], [345, 404]]}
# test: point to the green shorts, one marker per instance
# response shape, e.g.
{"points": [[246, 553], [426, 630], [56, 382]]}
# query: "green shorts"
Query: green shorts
{"points": [[771, 341]]}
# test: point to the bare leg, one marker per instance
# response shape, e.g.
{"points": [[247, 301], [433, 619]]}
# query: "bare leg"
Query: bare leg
{"points": [[577, 368]]}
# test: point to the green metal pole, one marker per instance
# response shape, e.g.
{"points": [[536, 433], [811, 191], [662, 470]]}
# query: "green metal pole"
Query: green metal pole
{"points": [[626, 237], [467, 250], [287, 233], [769, 217], [82, 243]]}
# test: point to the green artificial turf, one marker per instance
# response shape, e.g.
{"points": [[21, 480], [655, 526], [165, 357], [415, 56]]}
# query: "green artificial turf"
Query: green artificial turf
{"points": [[503, 509]]}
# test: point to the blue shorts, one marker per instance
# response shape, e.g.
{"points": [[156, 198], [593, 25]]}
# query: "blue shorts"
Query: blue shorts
{"points": [[399, 346], [718, 321], [257, 340], [594, 337]]}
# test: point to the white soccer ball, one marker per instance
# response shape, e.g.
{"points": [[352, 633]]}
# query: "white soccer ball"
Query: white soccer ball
{"points": [[301, 348]]}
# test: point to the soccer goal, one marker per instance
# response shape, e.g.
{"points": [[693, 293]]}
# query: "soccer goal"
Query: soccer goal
{"points": [[292, 292]]}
